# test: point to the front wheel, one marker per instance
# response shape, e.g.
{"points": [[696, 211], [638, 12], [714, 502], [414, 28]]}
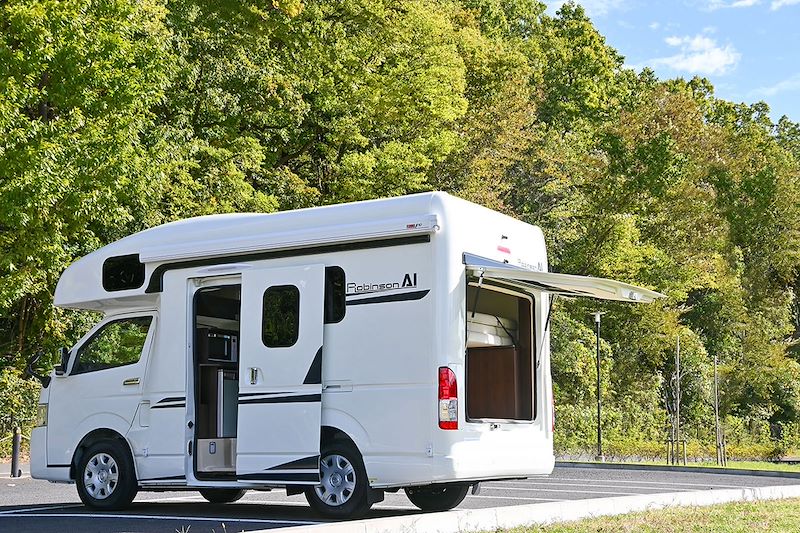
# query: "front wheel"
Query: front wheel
{"points": [[105, 476], [222, 495], [343, 488], [437, 497]]}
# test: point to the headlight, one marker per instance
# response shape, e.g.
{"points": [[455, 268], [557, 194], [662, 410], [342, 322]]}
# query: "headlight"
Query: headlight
{"points": [[41, 415]]}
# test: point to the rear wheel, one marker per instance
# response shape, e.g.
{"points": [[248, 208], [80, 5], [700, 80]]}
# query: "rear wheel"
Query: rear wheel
{"points": [[222, 495], [105, 476], [437, 497], [343, 487]]}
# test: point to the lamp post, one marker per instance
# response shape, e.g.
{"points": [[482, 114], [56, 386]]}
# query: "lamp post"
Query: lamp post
{"points": [[600, 457]]}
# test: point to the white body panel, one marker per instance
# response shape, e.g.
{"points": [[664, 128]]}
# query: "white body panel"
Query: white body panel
{"points": [[405, 317]]}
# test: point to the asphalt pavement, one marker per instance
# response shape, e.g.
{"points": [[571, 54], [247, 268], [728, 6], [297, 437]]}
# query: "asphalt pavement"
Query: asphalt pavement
{"points": [[28, 505]]}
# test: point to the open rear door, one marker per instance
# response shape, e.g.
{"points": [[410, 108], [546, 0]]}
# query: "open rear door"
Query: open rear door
{"points": [[280, 375], [560, 284]]}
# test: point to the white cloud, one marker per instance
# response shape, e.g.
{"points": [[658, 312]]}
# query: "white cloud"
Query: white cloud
{"points": [[713, 5], [777, 4], [699, 55], [788, 85], [594, 8], [654, 25]]}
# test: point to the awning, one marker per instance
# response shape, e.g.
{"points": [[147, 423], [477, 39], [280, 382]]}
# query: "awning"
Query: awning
{"points": [[562, 284]]}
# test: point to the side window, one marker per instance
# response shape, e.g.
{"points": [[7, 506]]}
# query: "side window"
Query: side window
{"points": [[117, 343], [280, 321], [335, 304]]}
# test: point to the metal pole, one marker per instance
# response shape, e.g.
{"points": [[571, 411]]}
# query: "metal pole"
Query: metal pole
{"points": [[599, 406], [16, 444], [716, 413], [678, 395]]}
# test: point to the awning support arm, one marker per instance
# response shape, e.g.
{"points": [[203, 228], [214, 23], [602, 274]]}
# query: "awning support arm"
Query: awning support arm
{"points": [[546, 324], [477, 295]]}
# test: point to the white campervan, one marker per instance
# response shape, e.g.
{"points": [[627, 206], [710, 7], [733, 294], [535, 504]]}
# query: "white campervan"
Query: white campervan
{"points": [[338, 351]]}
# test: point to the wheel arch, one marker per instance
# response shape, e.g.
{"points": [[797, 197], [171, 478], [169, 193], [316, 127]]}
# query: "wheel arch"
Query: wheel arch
{"points": [[94, 436]]}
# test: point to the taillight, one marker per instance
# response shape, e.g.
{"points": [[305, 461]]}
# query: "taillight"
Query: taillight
{"points": [[448, 399]]}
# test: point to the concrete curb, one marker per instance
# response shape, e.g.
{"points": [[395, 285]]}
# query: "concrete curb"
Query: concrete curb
{"points": [[461, 521], [668, 468]]}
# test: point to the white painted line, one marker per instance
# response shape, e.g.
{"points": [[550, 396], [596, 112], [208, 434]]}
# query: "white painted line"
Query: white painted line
{"points": [[31, 509], [570, 491], [172, 499], [386, 506], [496, 486], [528, 498], [254, 499], [670, 483], [162, 517], [382, 505]]}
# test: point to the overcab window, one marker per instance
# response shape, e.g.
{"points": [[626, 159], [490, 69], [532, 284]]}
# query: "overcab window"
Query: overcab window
{"points": [[280, 322], [122, 273]]}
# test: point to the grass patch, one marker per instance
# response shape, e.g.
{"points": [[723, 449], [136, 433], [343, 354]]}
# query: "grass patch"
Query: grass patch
{"points": [[745, 517], [742, 465]]}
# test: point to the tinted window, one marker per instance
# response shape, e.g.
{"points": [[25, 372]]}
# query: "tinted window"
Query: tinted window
{"points": [[335, 304], [122, 273], [117, 343], [280, 321]]}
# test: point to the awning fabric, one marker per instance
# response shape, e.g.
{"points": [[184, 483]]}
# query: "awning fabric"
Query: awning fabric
{"points": [[562, 284]]}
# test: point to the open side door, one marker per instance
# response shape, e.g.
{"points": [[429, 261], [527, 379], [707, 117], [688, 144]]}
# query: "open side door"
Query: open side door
{"points": [[561, 284], [280, 375]]}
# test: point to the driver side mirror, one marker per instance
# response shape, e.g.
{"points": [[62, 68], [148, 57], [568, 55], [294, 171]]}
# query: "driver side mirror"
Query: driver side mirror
{"points": [[29, 371], [61, 369]]}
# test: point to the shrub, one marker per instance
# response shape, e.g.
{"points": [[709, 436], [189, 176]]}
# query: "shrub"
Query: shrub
{"points": [[18, 400]]}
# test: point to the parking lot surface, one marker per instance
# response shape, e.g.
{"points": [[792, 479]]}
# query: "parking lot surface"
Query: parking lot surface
{"points": [[28, 505]]}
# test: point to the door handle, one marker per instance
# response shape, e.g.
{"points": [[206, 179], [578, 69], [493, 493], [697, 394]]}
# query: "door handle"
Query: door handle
{"points": [[131, 381], [253, 376]]}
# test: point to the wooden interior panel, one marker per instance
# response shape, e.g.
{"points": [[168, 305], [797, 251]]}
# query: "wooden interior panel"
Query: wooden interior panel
{"points": [[492, 389]]}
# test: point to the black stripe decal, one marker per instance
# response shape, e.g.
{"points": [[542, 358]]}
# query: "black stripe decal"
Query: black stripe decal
{"points": [[403, 297], [168, 478], [156, 283], [303, 398], [245, 394], [168, 406], [314, 375], [288, 476], [174, 399], [309, 463], [58, 466]]}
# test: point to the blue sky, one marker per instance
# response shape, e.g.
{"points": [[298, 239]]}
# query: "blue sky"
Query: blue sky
{"points": [[749, 49]]}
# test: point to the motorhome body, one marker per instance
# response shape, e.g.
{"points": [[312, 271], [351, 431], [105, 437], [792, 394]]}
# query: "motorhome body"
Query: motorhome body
{"points": [[341, 350]]}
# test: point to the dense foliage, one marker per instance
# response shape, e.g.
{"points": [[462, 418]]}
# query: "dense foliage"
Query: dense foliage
{"points": [[117, 115]]}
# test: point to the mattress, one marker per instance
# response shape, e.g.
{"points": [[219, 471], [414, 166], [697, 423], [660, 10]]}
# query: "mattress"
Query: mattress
{"points": [[487, 330]]}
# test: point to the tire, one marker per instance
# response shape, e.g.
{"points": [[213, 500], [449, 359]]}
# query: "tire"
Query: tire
{"points": [[222, 495], [437, 497], [105, 476], [343, 489]]}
